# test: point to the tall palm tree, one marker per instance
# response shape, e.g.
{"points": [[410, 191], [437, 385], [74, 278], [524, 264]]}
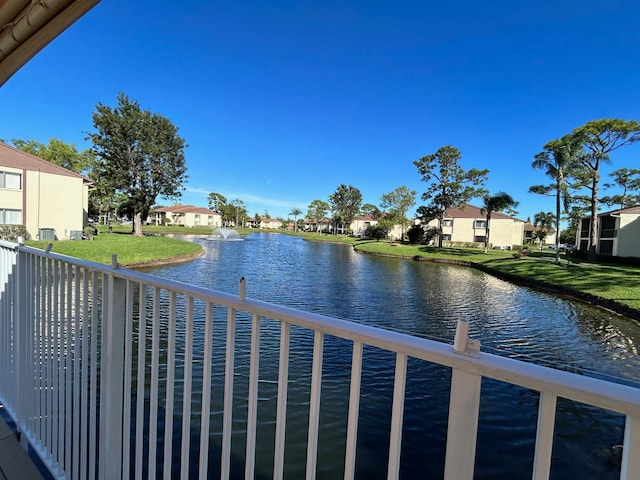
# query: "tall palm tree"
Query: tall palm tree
{"points": [[295, 212], [557, 159], [544, 221], [495, 203]]}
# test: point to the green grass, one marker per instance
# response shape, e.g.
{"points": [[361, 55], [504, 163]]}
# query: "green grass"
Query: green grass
{"points": [[617, 283], [129, 249]]}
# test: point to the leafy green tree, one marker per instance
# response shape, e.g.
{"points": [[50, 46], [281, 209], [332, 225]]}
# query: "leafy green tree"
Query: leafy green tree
{"points": [[59, 153], [397, 203], [140, 155], [628, 179], [316, 211], [345, 203], [216, 201], [295, 212], [599, 138], [495, 203], [558, 159], [449, 184], [371, 209], [236, 212], [543, 221]]}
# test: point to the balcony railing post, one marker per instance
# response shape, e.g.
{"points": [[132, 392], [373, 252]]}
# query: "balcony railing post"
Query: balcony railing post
{"points": [[464, 406], [111, 377], [630, 467], [22, 376]]}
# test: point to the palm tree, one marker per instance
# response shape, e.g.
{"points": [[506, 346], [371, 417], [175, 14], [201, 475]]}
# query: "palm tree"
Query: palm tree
{"points": [[295, 212], [495, 203], [558, 158], [543, 221]]}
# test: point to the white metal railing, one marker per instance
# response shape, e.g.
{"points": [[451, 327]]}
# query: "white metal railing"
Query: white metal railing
{"points": [[94, 358]]}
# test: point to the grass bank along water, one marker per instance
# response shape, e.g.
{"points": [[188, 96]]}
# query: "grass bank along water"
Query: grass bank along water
{"points": [[614, 287], [131, 251]]}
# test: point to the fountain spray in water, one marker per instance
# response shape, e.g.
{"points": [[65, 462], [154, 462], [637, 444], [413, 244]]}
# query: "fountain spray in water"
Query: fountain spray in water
{"points": [[225, 234]]}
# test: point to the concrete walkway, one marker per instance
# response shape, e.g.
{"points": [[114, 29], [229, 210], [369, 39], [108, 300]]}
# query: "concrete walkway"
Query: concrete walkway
{"points": [[15, 463]]}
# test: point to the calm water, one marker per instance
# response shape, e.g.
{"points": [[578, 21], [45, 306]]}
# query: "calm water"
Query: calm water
{"points": [[423, 299]]}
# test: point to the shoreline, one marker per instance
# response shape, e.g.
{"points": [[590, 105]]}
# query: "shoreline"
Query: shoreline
{"points": [[609, 305]]}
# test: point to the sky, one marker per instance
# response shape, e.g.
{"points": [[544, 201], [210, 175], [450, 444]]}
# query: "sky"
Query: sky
{"points": [[280, 102]]}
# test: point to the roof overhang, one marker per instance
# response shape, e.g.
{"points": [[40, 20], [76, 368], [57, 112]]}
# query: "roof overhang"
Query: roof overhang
{"points": [[27, 26]]}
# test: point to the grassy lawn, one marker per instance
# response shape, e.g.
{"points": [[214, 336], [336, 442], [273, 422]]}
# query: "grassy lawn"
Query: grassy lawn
{"points": [[130, 250]]}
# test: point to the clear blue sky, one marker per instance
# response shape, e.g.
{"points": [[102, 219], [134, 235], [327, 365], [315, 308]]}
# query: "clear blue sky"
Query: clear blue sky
{"points": [[282, 101]]}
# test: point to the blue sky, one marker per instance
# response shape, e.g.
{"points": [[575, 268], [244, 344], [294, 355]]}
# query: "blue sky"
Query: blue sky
{"points": [[282, 101]]}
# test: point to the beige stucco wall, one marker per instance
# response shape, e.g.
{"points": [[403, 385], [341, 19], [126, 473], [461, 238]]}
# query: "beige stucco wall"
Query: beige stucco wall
{"points": [[628, 244], [10, 198], [54, 201], [502, 232]]}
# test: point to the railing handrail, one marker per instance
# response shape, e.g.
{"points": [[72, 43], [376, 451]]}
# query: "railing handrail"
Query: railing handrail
{"points": [[613, 396]]}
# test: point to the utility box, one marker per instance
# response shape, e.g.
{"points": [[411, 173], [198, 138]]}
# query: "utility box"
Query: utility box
{"points": [[46, 234]]}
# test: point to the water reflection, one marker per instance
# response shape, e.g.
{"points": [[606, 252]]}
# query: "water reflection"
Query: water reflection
{"points": [[423, 299]]}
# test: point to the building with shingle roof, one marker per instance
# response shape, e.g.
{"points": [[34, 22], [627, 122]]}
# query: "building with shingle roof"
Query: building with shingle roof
{"points": [[50, 201], [186, 216], [619, 232]]}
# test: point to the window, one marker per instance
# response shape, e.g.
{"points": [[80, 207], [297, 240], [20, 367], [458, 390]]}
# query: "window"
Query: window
{"points": [[606, 247], [447, 223], [10, 217], [584, 227], [197, 219], [10, 180], [446, 237], [480, 224], [608, 227], [210, 220], [478, 238]]}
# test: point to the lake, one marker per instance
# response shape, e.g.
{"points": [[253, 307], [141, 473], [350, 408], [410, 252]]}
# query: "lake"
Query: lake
{"points": [[423, 299]]}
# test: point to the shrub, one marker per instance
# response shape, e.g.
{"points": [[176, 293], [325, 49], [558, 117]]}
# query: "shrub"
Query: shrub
{"points": [[376, 232], [12, 232], [416, 234]]}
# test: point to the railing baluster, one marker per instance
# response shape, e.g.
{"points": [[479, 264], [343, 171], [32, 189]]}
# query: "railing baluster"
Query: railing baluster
{"points": [[314, 404], [84, 384], [127, 394], [77, 365], [56, 346], [462, 428], [205, 411], [111, 379], [169, 402], [397, 416], [68, 348], [153, 395], [252, 406], [227, 415], [39, 351], [354, 411], [281, 415], [186, 395], [630, 468], [544, 436], [97, 291], [140, 376]]}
